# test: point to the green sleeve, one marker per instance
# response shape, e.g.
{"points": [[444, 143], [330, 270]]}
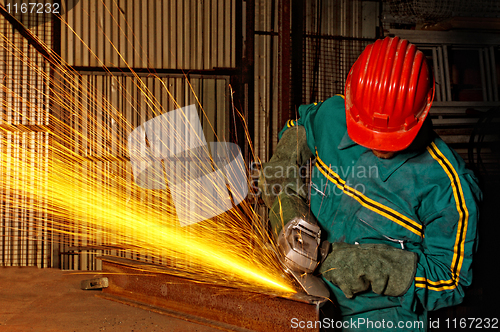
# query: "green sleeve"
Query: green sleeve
{"points": [[330, 116], [444, 262]]}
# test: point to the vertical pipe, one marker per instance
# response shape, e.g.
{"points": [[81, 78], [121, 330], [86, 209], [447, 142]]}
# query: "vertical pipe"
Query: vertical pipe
{"points": [[155, 33], [483, 76], [284, 65], [130, 42], [488, 71], [82, 55], [270, 82], [171, 33], [297, 46], [441, 74], [205, 34], [143, 34], [220, 40], [494, 73], [55, 261], [237, 134], [214, 35], [188, 27], [436, 73], [67, 38], [115, 31], [344, 44], [197, 42], [233, 44], [447, 73], [106, 19], [248, 68], [122, 33]]}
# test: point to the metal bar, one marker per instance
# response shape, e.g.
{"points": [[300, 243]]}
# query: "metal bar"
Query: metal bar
{"points": [[126, 70], [483, 75], [493, 73], [297, 47], [271, 82], [248, 70], [266, 33], [284, 58], [54, 110], [466, 104], [337, 37], [134, 283], [237, 132], [488, 70], [24, 128], [446, 73], [436, 72], [447, 37], [441, 73]]}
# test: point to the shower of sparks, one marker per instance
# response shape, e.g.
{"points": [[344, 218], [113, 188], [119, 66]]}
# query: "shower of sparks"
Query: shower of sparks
{"points": [[71, 192]]}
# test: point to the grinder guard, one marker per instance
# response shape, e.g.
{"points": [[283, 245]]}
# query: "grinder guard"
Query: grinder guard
{"points": [[301, 249]]}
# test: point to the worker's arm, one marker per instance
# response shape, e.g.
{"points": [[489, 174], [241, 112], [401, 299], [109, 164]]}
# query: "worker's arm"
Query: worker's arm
{"points": [[280, 180], [282, 172], [444, 263]]}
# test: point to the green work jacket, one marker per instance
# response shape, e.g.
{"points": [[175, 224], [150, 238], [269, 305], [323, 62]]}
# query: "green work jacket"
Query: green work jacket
{"points": [[424, 202]]}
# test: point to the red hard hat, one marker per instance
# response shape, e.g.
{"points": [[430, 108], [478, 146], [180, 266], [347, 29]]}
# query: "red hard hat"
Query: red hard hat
{"points": [[388, 94]]}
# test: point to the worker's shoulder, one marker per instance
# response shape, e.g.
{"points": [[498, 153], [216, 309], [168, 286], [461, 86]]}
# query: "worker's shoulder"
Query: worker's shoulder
{"points": [[332, 109], [440, 172], [333, 104], [441, 162]]}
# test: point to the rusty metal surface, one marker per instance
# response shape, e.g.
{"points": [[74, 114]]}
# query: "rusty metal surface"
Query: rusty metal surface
{"points": [[222, 307]]}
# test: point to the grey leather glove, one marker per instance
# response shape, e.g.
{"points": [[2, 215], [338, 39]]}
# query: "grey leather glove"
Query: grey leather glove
{"points": [[282, 173], [354, 268]]}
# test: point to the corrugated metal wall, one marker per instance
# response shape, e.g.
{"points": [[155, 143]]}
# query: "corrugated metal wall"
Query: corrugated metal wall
{"points": [[24, 238], [177, 34]]}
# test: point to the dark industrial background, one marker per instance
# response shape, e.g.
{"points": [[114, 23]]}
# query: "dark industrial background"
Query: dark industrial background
{"points": [[263, 58]]}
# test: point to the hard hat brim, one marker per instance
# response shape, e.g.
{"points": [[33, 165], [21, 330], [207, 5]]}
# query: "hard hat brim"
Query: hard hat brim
{"points": [[378, 140]]}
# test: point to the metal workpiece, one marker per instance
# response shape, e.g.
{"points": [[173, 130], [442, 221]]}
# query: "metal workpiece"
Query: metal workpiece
{"points": [[225, 308], [95, 283]]}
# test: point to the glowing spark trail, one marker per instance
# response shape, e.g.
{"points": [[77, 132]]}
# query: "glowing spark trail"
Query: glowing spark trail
{"points": [[78, 183]]}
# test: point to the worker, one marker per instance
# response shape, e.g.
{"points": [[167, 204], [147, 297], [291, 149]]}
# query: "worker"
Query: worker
{"points": [[397, 204]]}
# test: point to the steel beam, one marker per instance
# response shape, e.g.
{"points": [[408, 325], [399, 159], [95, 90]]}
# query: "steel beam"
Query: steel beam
{"points": [[456, 37], [225, 308], [284, 39]]}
